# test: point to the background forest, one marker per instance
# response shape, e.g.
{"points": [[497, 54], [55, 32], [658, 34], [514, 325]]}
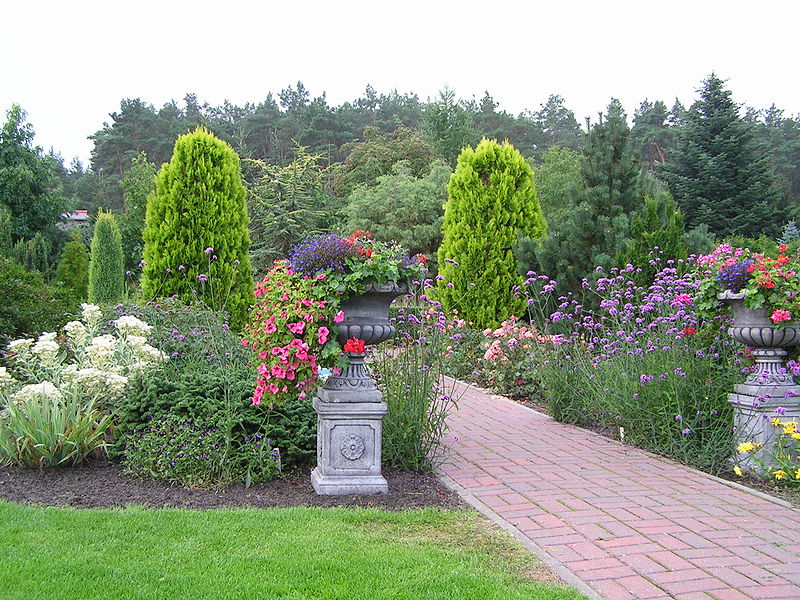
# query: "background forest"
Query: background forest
{"points": [[680, 178]]}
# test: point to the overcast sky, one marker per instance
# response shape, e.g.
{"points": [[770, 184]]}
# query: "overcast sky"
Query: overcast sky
{"points": [[68, 64]]}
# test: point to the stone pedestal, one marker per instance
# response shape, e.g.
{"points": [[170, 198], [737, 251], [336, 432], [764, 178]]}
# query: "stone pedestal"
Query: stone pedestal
{"points": [[753, 410], [348, 447]]}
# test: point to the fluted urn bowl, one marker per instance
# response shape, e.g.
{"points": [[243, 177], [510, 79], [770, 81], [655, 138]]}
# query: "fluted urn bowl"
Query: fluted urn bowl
{"points": [[366, 316], [753, 326]]}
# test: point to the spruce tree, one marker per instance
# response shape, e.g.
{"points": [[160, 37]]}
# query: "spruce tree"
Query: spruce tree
{"points": [[491, 202], [196, 240], [718, 174], [597, 225], [73, 268], [106, 266]]}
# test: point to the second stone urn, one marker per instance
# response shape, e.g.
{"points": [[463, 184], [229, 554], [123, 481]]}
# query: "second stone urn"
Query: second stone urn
{"points": [[770, 386], [350, 407]]}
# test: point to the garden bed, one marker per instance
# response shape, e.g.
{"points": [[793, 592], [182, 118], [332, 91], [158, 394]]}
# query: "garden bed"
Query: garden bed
{"points": [[104, 484]]}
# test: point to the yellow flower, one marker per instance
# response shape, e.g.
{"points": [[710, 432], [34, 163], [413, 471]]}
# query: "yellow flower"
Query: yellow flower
{"points": [[789, 427], [776, 422], [796, 436], [746, 447], [738, 471], [779, 474], [797, 474]]}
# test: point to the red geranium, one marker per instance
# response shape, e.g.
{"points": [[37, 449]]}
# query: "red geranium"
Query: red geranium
{"points": [[354, 345]]}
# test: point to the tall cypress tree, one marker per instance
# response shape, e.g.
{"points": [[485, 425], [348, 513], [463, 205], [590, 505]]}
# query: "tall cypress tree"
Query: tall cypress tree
{"points": [[718, 174], [73, 268], [491, 201], [106, 267], [196, 240]]}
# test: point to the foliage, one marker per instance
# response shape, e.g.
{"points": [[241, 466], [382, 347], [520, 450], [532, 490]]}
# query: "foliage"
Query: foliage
{"points": [[33, 254], [199, 210], [402, 208], [137, 184], [195, 455], [658, 228], [376, 156], [652, 133], [645, 367], [29, 304], [43, 430], [719, 174], [491, 201], [289, 331], [106, 266], [780, 463], [404, 555], [409, 370], [448, 126], [558, 177], [558, 125], [26, 179], [598, 226], [73, 267], [768, 283], [286, 204]]}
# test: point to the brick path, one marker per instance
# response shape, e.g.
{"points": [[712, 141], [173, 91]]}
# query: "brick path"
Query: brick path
{"points": [[614, 521]]}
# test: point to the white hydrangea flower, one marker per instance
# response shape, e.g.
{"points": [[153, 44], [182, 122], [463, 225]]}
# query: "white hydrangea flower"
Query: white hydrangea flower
{"points": [[91, 313], [98, 383], [77, 334], [21, 346], [6, 380], [38, 391], [130, 325], [47, 350], [100, 351]]}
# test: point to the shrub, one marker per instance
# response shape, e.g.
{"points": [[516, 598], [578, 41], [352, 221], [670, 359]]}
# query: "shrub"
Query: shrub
{"points": [[196, 240], [28, 304], [197, 455], [73, 268], [491, 201], [106, 269]]}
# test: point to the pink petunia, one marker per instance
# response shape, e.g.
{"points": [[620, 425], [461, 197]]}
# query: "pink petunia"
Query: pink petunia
{"points": [[339, 317], [781, 315], [323, 335]]}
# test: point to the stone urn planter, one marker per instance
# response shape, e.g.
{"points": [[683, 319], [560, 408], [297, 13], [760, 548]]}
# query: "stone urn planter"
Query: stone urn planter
{"points": [[770, 385], [349, 406]]}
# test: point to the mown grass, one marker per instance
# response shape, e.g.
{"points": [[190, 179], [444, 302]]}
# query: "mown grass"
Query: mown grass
{"points": [[288, 554]]}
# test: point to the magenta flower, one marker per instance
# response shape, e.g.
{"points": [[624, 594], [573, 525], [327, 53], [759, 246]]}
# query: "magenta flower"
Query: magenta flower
{"points": [[208, 250], [202, 278], [781, 315]]}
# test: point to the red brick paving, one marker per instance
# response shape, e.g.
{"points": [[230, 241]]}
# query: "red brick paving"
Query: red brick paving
{"points": [[625, 523]]}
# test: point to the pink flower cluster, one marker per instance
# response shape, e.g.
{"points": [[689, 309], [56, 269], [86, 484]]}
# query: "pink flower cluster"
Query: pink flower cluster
{"points": [[779, 316]]}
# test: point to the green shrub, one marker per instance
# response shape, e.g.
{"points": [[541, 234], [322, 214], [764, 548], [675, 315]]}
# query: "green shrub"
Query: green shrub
{"points": [[28, 304], [196, 240], [43, 428], [106, 268], [73, 268], [188, 452], [491, 202]]}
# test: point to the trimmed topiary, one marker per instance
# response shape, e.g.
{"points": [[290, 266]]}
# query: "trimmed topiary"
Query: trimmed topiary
{"points": [[106, 267], [491, 202], [196, 240]]}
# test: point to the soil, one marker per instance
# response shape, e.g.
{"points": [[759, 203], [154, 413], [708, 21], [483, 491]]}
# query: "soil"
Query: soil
{"points": [[104, 485]]}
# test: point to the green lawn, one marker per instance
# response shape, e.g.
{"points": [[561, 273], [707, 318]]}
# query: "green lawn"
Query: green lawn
{"points": [[127, 554]]}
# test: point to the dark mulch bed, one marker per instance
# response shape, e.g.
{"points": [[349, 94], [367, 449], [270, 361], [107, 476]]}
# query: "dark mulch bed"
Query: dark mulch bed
{"points": [[103, 484]]}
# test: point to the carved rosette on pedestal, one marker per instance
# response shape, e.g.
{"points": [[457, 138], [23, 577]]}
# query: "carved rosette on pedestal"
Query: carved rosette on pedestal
{"points": [[349, 406], [770, 385]]}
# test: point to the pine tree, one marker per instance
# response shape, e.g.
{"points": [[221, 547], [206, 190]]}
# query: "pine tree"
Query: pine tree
{"points": [[491, 202], [718, 174], [597, 226], [106, 266], [196, 240], [73, 268]]}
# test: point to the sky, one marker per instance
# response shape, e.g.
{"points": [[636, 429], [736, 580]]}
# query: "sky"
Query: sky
{"points": [[69, 64]]}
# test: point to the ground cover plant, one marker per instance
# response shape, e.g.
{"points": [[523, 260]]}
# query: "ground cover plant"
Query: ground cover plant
{"points": [[288, 553]]}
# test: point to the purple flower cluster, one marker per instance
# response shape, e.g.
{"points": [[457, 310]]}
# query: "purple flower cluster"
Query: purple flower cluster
{"points": [[320, 253]]}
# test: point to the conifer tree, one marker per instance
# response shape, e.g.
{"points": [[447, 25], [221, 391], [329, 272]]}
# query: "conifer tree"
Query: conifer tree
{"points": [[491, 202], [106, 266], [73, 268], [718, 174], [196, 240]]}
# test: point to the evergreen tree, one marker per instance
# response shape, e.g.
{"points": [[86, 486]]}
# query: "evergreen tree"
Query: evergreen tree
{"points": [[196, 240], [598, 223], [491, 201], [73, 268], [719, 175], [137, 184], [33, 254], [447, 125], [106, 266]]}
